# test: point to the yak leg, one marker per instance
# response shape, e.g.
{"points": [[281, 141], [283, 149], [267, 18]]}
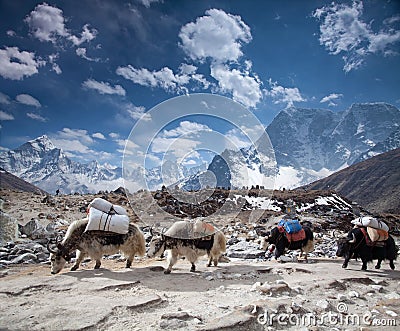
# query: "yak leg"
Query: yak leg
{"points": [[364, 264], [98, 264], [391, 264], [210, 258], [129, 261], [172, 258], [193, 267], [346, 261], [378, 264], [79, 258]]}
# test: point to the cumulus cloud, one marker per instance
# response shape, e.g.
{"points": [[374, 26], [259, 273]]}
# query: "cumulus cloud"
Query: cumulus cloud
{"points": [[36, 117], [98, 135], [86, 35], [342, 31], [6, 116], [164, 78], [244, 88], [103, 87], [217, 35], [185, 128], [287, 95], [28, 100], [331, 99], [16, 65], [47, 23]]}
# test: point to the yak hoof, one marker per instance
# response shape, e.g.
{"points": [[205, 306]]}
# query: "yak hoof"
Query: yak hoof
{"points": [[74, 268], [391, 265], [344, 266], [167, 271], [377, 266], [364, 268]]}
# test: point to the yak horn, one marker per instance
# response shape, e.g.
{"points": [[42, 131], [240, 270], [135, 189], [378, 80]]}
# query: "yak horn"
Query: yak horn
{"points": [[352, 241], [49, 248]]}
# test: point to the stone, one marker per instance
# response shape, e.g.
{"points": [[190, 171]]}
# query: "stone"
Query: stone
{"points": [[24, 258], [245, 250]]}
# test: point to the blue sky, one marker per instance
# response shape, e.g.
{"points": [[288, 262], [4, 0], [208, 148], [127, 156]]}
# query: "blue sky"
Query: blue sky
{"points": [[85, 73]]}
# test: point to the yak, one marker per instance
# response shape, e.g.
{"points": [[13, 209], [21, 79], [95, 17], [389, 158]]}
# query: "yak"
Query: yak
{"points": [[214, 245], [94, 244], [356, 244], [281, 242]]}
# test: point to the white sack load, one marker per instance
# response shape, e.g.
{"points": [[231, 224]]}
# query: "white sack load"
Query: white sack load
{"points": [[371, 222], [107, 207], [377, 234], [102, 221], [191, 229]]}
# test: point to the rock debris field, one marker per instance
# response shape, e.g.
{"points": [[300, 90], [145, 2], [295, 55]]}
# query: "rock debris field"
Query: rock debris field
{"points": [[248, 290]]}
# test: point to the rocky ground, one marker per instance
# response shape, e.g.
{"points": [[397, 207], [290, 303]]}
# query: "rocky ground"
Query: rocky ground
{"points": [[249, 291]]}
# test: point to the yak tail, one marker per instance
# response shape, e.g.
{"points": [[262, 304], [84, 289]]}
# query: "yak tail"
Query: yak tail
{"points": [[391, 249], [309, 246], [221, 241], [141, 251]]}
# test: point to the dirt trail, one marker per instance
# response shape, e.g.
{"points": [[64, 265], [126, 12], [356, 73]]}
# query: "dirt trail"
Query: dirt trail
{"points": [[233, 296]]}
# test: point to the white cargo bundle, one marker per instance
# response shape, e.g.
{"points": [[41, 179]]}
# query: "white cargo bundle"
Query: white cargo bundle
{"points": [[371, 222], [107, 207], [101, 221]]}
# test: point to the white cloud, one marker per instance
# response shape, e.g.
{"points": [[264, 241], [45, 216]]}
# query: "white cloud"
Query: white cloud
{"points": [[287, 95], [244, 88], [36, 117], [185, 128], [47, 23], [164, 78], [98, 135], [342, 30], [15, 64], [86, 35], [4, 99], [137, 112], [113, 135], [217, 35], [55, 67], [330, 99], [179, 141], [82, 53], [103, 87], [28, 100], [5, 116]]}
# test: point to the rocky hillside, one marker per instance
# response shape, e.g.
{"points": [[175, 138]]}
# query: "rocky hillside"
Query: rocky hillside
{"points": [[374, 183], [11, 182]]}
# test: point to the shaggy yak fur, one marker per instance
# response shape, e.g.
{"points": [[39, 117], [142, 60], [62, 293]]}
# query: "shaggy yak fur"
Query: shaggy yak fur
{"points": [[95, 244], [214, 246]]}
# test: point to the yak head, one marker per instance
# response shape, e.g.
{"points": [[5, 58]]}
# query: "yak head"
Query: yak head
{"points": [[157, 244], [58, 255], [344, 245]]}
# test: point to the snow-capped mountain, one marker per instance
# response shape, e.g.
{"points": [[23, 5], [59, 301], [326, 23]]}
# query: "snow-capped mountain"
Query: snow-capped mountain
{"points": [[40, 163], [308, 144]]}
